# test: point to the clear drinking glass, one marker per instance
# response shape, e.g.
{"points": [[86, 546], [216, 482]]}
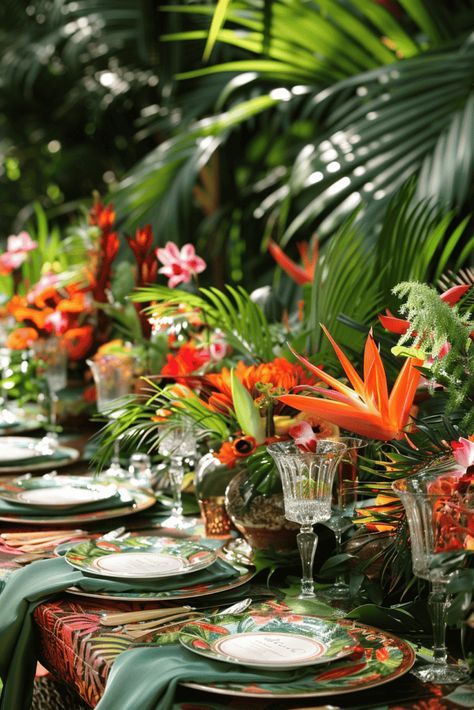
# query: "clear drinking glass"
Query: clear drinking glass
{"points": [[52, 365], [7, 418], [307, 479], [177, 443], [113, 376], [441, 524], [342, 512]]}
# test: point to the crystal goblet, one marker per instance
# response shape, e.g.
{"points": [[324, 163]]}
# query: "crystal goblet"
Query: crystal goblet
{"points": [[177, 443], [113, 376], [307, 480], [342, 512], [7, 418], [440, 517], [52, 364]]}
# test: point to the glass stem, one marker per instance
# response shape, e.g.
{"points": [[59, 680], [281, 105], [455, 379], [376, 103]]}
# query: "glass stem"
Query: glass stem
{"points": [[340, 579], [176, 473], [307, 542], [116, 455], [438, 603], [53, 414]]}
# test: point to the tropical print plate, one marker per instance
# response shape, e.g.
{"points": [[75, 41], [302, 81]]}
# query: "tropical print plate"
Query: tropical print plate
{"points": [[378, 658], [193, 590], [56, 492], [269, 641], [18, 454], [140, 557], [134, 501]]}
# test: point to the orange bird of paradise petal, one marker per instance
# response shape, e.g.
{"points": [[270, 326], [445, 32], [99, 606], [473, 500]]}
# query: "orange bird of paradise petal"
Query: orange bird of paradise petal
{"points": [[301, 274], [366, 408]]}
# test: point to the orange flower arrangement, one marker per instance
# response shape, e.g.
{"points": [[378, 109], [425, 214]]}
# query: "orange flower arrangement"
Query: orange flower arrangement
{"points": [[58, 310]]}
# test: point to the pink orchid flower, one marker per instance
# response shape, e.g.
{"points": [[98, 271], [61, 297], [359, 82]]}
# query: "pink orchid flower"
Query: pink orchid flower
{"points": [[179, 265], [21, 242], [463, 450], [57, 323], [304, 436], [18, 246]]}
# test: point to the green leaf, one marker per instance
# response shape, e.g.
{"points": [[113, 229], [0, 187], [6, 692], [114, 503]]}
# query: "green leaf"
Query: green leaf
{"points": [[246, 412], [217, 22]]}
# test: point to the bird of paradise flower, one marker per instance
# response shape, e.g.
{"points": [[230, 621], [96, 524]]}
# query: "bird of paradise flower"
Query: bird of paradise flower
{"points": [[366, 408]]}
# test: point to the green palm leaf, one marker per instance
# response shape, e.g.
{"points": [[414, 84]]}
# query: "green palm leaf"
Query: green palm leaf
{"points": [[414, 117], [241, 320]]}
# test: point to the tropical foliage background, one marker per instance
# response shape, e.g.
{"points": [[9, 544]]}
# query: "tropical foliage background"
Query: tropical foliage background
{"points": [[297, 113]]}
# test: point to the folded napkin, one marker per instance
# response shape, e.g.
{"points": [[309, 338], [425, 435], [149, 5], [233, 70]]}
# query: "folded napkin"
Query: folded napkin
{"points": [[147, 677], [26, 588], [34, 511]]}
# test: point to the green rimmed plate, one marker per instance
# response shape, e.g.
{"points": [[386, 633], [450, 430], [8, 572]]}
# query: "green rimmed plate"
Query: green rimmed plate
{"points": [[268, 641], [140, 557], [19, 454], [133, 500], [56, 492], [380, 657]]}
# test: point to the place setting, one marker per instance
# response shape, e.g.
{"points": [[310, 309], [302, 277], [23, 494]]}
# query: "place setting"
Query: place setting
{"points": [[141, 568], [68, 500], [23, 453]]}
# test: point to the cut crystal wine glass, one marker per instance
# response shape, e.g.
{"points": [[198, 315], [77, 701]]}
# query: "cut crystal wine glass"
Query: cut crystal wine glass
{"points": [[177, 444], [342, 512], [52, 364], [307, 480], [440, 515], [113, 376]]}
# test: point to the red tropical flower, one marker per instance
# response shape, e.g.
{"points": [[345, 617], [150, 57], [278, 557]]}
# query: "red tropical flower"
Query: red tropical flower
{"points": [[301, 274]]}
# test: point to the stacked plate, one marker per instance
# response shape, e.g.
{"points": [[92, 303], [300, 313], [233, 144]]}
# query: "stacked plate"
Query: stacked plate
{"points": [[23, 453], [151, 569], [67, 500]]}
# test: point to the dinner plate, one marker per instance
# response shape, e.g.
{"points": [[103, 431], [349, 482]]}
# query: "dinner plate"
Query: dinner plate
{"points": [[134, 500], [55, 492], [184, 592], [268, 641], [379, 658], [140, 557], [12, 447]]}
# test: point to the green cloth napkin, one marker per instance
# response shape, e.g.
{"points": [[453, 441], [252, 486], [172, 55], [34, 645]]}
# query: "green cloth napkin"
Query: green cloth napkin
{"points": [[33, 511], [147, 677], [26, 588]]}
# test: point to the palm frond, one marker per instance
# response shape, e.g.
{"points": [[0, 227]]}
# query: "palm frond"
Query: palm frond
{"points": [[345, 283], [385, 125], [232, 311]]}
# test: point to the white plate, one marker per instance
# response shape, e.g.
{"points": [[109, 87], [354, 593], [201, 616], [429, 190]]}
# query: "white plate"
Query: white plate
{"points": [[65, 497]]}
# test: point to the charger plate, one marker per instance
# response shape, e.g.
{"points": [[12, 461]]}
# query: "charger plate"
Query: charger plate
{"points": [[379, 658], [14, 446], [55, 492], [134, 500], [268, 641], [140, 557], [185, 592]]}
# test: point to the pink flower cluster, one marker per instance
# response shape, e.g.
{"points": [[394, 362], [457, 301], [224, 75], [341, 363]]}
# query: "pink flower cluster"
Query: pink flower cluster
{"points": [[18, 246], [179, 265]]}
